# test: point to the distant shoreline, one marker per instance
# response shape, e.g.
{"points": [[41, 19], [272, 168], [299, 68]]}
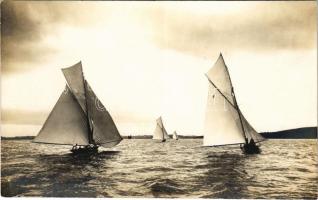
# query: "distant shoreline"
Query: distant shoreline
{"points": [[298, 133]]}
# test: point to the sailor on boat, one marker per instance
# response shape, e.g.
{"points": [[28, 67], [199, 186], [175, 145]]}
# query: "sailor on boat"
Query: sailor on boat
{"points": [[250, 148]]}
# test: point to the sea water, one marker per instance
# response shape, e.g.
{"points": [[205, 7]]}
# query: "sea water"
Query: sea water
{"points": [[146, 168]]}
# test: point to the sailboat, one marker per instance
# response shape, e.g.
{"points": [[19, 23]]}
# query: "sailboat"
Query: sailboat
{"points": [[224, 122], [79, 118], [160, 131], [174, 135]]}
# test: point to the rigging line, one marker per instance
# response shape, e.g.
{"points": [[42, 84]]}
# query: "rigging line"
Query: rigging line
{"points": [[220, 92], [235, 107], [162, 131]]}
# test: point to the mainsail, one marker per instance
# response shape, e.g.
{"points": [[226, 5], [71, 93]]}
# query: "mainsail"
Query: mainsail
{"points": [[66, 123], [79, 117], [174, 135], [105, 132], [160, 131], [224, 122]]}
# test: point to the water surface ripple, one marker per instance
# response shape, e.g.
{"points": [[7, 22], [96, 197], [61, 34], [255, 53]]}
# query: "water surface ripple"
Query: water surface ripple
{"points": [[145, 168]]}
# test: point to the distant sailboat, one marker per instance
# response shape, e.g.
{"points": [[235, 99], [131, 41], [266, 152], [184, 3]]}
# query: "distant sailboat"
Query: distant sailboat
{"points": [[174, 135], [160, 131], [224, 122], [79, 118]]}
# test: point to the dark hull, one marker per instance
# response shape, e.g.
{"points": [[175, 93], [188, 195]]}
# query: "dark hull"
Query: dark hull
{"points": [[250, 149], [85, 150]]}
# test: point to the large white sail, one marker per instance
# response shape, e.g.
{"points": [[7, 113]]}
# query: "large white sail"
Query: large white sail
{"points": [[221, 78], [224, 122], [105, 132], [160, 131], [66, 123], [158, 134]]}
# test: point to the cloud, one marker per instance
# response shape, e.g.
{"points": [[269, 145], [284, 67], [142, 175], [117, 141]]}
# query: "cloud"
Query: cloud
{"points": [[197, 28], [25, 26], [266, 26]]}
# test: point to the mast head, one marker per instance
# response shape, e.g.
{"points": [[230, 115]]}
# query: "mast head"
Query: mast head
{"points": [[221, 56]]}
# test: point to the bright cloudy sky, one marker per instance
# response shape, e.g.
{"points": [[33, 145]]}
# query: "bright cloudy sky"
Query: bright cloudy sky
{"points": [[146, 59]]}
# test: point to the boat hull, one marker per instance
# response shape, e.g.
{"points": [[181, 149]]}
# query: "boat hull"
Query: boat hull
{"points": [[250, 149], [84, 150]]}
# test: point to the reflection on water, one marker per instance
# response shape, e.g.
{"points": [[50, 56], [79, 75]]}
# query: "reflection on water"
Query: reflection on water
{"points": [[224, 176], [145, 168]]}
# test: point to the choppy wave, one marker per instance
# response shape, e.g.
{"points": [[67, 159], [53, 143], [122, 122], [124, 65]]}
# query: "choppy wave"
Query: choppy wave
{"points": [[144, 168]]}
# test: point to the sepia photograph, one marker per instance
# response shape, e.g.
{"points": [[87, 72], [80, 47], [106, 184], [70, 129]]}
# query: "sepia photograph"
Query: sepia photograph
{"points": [[159, 99]]}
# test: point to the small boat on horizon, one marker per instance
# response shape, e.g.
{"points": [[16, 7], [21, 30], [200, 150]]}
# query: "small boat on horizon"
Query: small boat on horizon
{"points": [[79, 118], [160, 132], [224, 122], [175, 135]]}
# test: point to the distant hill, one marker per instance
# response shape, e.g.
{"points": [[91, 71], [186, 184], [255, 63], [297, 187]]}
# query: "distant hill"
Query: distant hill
{"points": [[125, 137], [18, 138], [150, 137], [138, 137], [298, 133]]}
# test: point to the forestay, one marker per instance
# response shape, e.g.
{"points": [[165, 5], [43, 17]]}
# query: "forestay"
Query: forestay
{"points": [[66, 123]]}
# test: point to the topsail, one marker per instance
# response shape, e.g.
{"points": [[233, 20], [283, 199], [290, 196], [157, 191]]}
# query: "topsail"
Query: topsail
{"points": [[79, 117], [224, 122]]}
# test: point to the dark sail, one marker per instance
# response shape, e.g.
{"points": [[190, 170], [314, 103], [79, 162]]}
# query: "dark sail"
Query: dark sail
{"points": [[75, 80], [105, 132], [66, 123], [250, 131], [79, 117]]}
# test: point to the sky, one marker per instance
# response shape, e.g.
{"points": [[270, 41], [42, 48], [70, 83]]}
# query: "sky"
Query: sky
{"points": [[148, 59]]}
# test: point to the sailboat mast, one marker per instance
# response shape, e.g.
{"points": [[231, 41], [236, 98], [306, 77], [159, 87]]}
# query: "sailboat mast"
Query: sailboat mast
{"points": [[163, 134], [235, 102], [90, 133]]}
